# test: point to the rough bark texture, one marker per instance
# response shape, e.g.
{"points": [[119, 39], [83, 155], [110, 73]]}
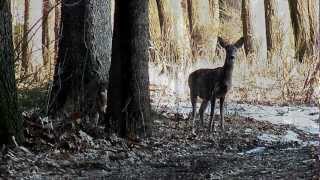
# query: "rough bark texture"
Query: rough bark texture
{"points": [[57, 21], [128, 94], [204, 26], [303, 20], [174, 30], [84, 56], [314, 23], [26, 49], [48, 36], [246, 16], [273, 33], [10, 117]]}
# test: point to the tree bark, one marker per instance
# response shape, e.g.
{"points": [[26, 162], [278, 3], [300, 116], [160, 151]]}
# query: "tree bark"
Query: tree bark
{"points": [[48, 37], [246, 16], [84, 58], [314, 24], [128, 96], [175, 34], [10, 121], [273, 33], [303, 21], [57, 21], [26, 49], [204, 26]]}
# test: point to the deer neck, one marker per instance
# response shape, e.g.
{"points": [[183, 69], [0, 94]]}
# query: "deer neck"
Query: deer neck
{"points": [[227, 70]]}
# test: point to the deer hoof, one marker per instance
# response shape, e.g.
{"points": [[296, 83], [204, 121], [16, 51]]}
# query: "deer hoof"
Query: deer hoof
{"points": [[194, 131]]}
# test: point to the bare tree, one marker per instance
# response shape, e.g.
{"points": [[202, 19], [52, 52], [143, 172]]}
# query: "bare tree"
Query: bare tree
{"points": [[128, 95], [174, 29], [204, 23], [57, 20], [246, 15], [303, 18], [48, 36], [26, 49], [82, 69], [273, 32], [11, 120]]}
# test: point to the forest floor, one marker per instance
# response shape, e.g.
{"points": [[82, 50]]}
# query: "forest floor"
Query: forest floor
{"points": [[248, 149]]}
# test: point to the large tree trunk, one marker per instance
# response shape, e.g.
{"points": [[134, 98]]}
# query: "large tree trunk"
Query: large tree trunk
{"points": [[82, 72], [273, 33], [48, 37], [304, 20], [203, 23], [10, 117], [26, 49], [248, 35], [174, 30], [128, 96]]}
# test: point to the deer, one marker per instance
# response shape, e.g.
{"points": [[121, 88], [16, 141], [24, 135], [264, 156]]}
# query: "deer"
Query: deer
{"points": [[210, 84]]}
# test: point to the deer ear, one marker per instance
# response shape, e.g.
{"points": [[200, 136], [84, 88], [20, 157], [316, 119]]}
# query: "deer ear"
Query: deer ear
{"points": [[239, 43], [221, 42]]}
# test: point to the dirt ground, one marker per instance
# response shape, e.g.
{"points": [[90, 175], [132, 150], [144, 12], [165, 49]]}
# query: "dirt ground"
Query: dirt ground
{"points": [[171, 153]]}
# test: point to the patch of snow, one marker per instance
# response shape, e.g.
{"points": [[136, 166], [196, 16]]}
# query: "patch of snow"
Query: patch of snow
{"points": [[254, 151], [311, 143], [290, 136], [268, 137], [302, 117]]}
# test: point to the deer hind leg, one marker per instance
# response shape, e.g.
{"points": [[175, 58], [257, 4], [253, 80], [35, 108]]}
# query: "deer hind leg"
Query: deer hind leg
{"points": [[203, 107], [193, 113], [222, 113], [211, 124]]}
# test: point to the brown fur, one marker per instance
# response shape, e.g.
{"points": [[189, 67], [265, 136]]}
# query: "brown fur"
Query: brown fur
{"points": [[209, 84]]}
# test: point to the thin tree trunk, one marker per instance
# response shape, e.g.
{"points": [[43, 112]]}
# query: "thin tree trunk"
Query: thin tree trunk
{"points": [[303, 27], [203, 26], [57, 21], [174, 31], [273, 33], [10, 121], [48, 37], [155, 30], [246, 16], [82, 72], [26, 50], [129, 98]]}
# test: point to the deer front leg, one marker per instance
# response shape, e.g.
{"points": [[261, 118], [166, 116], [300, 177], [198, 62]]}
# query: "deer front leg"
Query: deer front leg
{"points": [[193, 114], [222, 113], [211, 124], [203, 107]]}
